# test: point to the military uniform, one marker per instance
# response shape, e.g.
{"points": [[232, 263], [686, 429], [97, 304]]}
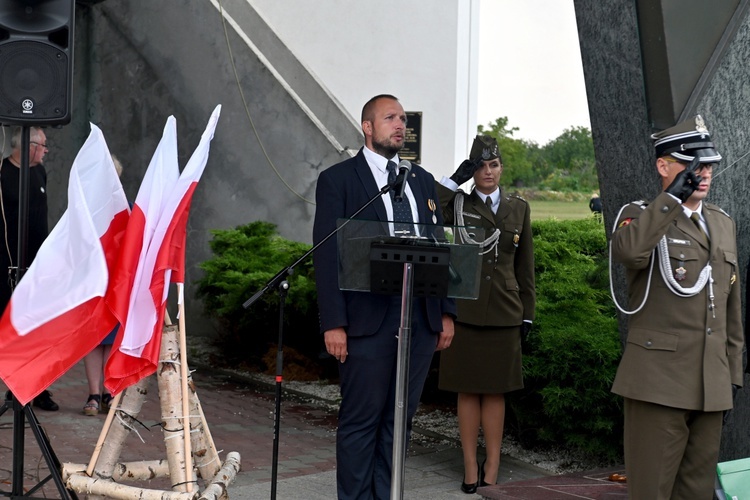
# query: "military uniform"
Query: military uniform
{"points": [[485, 356], [685, 338], [694, 352]]}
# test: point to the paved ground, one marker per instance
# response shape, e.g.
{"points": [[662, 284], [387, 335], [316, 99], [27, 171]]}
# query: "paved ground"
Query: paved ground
{"points": [[240, 417]]}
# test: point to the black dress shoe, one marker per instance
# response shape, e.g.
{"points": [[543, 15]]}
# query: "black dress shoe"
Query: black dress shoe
{"points": [[44, 401]]}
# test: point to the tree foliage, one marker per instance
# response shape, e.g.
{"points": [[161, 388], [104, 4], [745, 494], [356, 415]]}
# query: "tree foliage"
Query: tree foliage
{"points": [[565, 163]]}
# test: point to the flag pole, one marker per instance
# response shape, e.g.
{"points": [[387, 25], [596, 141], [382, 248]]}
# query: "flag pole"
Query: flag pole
{"points": [[105, 429], [184, 380]]}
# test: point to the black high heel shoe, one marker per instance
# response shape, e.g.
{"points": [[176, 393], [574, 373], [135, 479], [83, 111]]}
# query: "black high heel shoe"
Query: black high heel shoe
{"points": [[472, 487]]}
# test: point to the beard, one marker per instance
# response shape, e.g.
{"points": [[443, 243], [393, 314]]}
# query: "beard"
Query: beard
{"points": [[386, 147]]}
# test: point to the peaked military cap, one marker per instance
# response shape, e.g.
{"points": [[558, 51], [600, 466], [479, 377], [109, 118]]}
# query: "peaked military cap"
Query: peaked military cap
{"points": [[484, 147], [685, 141]]}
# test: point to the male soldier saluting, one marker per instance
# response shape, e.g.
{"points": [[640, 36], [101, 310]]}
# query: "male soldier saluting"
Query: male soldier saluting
{"points": [[683, 358]]}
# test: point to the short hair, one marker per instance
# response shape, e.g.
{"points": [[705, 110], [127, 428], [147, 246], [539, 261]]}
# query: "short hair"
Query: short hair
{"points": [[15, 139], [367, 109]]}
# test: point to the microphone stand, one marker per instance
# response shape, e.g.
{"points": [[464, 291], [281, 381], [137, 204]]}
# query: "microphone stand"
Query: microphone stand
{"points": [[280, 283], [22, 412]]}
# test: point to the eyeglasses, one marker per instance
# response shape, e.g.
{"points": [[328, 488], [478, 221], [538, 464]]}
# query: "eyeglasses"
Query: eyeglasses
{"points": [[702, 167], [39, 144]]}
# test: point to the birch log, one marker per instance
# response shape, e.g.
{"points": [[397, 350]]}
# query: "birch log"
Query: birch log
{"points": [[123, 423], [103, 488], [217, 489], [170, 397], [144, 470], [205, 456]]}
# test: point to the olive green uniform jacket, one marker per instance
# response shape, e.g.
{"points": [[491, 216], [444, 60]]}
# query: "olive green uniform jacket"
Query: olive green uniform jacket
{"points": [[680, 352], [507, 295]]}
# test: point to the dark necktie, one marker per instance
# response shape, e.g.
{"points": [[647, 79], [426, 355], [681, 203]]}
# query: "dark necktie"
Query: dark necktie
{"points": [[488, 202], [697, 220], [401, 209]]}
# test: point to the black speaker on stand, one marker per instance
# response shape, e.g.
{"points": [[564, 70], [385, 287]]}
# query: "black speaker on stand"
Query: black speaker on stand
{"points": [[36, 61], [36, 69]]}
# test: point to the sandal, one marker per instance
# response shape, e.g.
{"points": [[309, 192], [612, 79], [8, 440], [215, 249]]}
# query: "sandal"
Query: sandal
{"points": [[92, 405], [106, 400]]}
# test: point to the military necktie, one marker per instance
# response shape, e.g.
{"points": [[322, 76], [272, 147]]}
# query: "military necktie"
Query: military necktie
{"points": [[488, 202], [401, 209], [697, 220]]}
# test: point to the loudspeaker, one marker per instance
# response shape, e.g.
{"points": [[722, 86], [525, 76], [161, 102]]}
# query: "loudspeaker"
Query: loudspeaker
{"points": [[36, 61]]}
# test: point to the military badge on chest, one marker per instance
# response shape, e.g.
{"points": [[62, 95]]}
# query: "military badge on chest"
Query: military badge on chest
{"points": [[433, 208], [680, 273]]}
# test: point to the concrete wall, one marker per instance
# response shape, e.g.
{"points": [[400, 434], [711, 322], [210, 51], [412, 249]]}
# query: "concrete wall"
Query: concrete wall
{"points": [[138, 61], [620, 126], [422, 51], [287, 114]]}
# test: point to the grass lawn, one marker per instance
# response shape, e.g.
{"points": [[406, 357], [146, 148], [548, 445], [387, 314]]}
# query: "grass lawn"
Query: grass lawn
{"points": [[559, 209]]}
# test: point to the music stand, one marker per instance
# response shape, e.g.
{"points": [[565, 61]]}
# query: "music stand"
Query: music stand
{"points": [[22, 413], [435, 265]]}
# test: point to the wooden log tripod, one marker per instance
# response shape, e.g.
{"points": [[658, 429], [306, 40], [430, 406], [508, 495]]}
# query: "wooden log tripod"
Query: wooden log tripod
{"points": [[186, 436]]}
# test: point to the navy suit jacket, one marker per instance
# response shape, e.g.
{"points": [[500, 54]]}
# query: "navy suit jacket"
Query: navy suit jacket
{"points": [[342, 190]]}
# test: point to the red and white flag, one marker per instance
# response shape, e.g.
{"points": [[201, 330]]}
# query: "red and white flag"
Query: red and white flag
{"points": [[136, 350], [57, 313]]}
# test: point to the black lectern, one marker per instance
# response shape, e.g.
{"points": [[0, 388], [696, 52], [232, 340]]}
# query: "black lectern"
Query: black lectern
{"points": [[433, 264]]}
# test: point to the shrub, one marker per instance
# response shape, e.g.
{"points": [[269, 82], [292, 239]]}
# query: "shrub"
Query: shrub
{"points": [[245, 260], [574, 346], [568, 368]]}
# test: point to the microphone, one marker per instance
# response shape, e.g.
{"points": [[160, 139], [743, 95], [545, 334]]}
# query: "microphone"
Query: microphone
{"points": [[404, 167]]}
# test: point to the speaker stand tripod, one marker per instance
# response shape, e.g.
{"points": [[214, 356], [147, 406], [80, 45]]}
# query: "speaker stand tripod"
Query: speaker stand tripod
{"points": [[23, 413]]}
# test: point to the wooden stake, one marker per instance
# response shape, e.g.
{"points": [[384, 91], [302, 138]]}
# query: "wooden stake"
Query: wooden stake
{"points": [[185, 392]]}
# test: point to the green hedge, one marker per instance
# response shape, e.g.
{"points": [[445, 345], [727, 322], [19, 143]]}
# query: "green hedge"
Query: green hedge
{"points": [[245, 259], [575, 346], [568, 367]]}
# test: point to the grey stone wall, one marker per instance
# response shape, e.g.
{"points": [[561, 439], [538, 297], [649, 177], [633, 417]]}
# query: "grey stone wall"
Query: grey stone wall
{"points": [[625, 160], [139, 61]]}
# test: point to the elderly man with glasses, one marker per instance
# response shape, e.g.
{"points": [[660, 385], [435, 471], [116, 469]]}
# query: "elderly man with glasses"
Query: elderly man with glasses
{"points": [[37, 218]]}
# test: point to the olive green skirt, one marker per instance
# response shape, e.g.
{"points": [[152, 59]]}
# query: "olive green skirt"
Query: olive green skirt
{"points": [[482, 360]]}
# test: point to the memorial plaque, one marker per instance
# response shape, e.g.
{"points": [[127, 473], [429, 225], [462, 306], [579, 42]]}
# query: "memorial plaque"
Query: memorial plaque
{"points": [[412, 149]]}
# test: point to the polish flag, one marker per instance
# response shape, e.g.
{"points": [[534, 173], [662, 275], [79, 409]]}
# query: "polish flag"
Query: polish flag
{"points": [[136, 350], [158, 182], [57, 313]]}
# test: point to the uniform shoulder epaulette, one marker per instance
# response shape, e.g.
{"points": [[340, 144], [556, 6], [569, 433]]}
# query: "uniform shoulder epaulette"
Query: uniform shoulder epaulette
{"points": [[518, 197], [717, 208], [639, 203]]}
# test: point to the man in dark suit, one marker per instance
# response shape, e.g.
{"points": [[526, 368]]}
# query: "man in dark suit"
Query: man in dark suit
{"points": [[361, 328], [683, 360]]}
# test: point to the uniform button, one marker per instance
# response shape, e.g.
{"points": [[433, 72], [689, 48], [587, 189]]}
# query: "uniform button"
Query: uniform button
{"points": [[648, 343], [708, 331], [489, 261], [487, 278], [664, 209], [682, 255]]}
